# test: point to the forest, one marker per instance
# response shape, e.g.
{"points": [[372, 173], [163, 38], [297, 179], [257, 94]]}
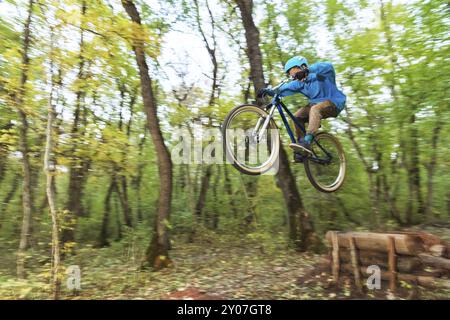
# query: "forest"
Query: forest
{"points": [[95, 95]]}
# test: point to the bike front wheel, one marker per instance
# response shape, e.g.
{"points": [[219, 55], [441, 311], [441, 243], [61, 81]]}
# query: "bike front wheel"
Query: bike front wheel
{"points": [[248, 147], [326, 168]]}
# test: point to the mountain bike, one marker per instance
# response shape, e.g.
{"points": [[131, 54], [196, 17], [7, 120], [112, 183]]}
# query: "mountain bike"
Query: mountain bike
{"points": [[252, 140]]}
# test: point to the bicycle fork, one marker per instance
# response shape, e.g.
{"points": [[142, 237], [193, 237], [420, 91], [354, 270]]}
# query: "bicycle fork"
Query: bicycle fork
{"points": [[259, 133]]}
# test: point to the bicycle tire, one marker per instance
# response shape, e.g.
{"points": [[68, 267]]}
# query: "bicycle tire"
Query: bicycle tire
{"points": [[231, 158], [342, 164]]}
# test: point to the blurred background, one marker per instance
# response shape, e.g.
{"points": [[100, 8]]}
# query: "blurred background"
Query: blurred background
{"points": [[74, 61]]}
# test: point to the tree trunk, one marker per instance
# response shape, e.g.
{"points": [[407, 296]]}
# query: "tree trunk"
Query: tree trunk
{"points": [[7, 199], [190, 188], [301, 228], [3, 155], [229, 191], [299, 219], [215, 214], [415, 193], [415, 202], [345, 211], [390, 200], [430, 171], [103, 239], [117, 215], [157, 253], [50, 170], [374, 217], [123, 191], [23, 147], [127, 214], [250, 186], [211, 48], [203, 190], [137, 180], [254, 56], [253, 50], [79, 167]]}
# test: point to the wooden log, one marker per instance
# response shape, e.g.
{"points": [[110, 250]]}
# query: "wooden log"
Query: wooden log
{"points": [[438, 250], [406, 264], [429, 240], [392, 259], [426, 273], [429, 282], [355, 263], [405, 244], [433, 272], [425, 281], [335, 255], [437, 262]]}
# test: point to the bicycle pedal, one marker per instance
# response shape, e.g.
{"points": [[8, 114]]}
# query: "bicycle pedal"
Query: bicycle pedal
{"points": [[298, 148]]}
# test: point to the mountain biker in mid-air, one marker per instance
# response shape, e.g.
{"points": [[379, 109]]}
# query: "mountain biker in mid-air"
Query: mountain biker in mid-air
{"points": [[316, 82]]}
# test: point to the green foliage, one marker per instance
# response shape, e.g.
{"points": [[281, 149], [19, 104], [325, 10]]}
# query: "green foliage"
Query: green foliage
{"points": [[391, 61]]}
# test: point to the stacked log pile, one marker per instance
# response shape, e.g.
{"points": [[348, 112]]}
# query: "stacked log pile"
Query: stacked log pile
{"points": [[415, 257]]}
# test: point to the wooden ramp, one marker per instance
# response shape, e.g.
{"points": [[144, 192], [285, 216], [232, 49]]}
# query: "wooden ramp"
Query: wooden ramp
{"points": [[416, 257]]}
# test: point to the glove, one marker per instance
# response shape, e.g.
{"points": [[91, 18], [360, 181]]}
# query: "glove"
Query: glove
{"points": [[301, 74], [265, 92]]}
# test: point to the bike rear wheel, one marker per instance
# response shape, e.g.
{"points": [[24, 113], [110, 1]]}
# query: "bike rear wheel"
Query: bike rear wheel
{"points": [[247, 152], [326, 169]]}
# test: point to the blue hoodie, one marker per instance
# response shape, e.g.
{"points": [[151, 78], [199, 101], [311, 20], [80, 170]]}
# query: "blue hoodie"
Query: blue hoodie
{"points": [[319, 85]]}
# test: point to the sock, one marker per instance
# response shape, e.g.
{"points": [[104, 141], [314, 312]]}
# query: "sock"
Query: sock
{"points": [[309, 138]]}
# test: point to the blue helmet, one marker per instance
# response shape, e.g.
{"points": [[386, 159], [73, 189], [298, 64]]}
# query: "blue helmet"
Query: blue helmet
{"points": [[295, 62]]}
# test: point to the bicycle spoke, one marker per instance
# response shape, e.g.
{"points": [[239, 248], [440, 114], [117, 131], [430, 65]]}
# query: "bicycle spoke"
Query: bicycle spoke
{"points": [[326, 168], [249, 141]]}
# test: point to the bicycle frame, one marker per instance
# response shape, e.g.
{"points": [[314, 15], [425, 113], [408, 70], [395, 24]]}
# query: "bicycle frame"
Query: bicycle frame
{"points": [[281, 107]]}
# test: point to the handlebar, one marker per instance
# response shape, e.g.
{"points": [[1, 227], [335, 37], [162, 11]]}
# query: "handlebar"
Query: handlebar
{"points": [[280, 84]]}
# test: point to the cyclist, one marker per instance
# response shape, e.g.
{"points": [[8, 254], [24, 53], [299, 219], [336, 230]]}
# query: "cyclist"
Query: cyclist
{"points": [[316, 82]]}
